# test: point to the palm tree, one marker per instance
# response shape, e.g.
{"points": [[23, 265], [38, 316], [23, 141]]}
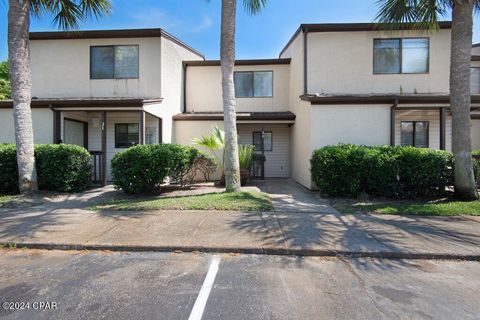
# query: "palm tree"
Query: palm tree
{"points": [[424, 14], [67, 15], [227, 57]]}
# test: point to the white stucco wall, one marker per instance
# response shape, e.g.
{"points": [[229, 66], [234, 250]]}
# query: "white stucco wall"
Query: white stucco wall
{"points": [[204, 89], [61, 68], [42, 125], [342, 62]]}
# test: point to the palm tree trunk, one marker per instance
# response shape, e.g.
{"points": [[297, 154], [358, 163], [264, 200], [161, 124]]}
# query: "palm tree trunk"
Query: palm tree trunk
{"points": [[462, 22], [227, 55], [21, 82]]}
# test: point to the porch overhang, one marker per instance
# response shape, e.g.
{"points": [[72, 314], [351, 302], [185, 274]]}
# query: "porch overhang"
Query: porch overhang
{"points": [[405, 99], [242, 117], [89, 104]]}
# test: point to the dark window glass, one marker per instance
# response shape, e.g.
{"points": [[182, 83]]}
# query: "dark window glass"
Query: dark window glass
{"points": [[101, 62], [266, 144], [475, 81], [249, 84], [113, 62], [414, 133], [126, 135], [409, 55], [243, 84]]}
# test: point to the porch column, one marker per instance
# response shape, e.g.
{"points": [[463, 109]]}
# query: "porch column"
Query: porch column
{"points": [[142, 127], [104, 148], [392, 123], [442, 128], [57, 129]]}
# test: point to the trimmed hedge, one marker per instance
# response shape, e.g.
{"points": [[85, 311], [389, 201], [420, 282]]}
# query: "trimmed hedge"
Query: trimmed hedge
{"points": [[143, 168], [397, 172], [60, 167]]}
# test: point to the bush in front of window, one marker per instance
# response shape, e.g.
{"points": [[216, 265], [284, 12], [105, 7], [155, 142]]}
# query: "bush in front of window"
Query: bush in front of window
{"points": [[60, 167], [144, 168], [395, 172]]}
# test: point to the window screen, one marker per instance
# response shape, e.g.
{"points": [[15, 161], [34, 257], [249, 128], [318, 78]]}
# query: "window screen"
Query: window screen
{"points": [[393, 56], [253, 84], [113, 62], [475, 81]]}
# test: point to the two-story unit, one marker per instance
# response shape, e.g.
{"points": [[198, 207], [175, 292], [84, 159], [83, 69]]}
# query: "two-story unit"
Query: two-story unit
{"points": [[332, 83]]}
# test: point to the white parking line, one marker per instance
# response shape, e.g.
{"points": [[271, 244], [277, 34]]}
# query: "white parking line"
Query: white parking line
{"points": [[202, 297]]}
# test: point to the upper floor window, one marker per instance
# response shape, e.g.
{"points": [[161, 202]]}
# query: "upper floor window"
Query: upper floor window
{"points": [[475, 80], [253, 84], [409, 55], [114, 62]]}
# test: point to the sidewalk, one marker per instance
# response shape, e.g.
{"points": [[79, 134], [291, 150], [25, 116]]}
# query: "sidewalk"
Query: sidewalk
{"points": [[304, 233]]}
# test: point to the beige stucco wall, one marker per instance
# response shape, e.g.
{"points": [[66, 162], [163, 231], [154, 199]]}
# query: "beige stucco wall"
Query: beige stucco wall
{"points": [[61, 68], [476, 50], [204, 89], [42, 125], [475, 134], [342, 62]]}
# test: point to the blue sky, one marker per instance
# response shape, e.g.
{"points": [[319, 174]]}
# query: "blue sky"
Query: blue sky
{"points": [[197, 22]]}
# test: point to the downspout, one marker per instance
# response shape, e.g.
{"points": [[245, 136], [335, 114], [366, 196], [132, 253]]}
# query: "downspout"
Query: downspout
{"points": [[305, 56], [392, 123], [184, 70]]}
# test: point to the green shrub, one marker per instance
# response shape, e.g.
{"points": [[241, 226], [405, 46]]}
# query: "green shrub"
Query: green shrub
{"points": [[8, 169], [143, 168], [63, 167], [348, 170], [60, 167]]}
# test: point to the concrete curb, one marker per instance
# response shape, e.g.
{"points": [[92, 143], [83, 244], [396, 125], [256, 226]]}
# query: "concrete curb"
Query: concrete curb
{"points": [[261, 251]]}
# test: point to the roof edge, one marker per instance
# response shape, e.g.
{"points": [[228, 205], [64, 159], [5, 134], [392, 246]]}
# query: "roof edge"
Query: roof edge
{"points": [[248, 62], [315, 99], [111, 34], [352, 27], [85, 102]]}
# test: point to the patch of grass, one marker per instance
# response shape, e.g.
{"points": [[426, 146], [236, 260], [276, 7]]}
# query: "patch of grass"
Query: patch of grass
{"points": [[242, 201], [5, 198], [425, 208]]}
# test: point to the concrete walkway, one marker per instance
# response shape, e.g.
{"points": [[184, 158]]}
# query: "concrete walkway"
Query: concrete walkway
{"points": [[314, 228]]}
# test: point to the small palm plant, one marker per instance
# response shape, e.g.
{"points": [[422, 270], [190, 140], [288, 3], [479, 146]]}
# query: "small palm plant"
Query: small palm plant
{"points": [[245, 158], [213, 143]]}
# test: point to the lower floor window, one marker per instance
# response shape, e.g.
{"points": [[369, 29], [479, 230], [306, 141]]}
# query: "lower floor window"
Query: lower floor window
{"points": [[126, 135], [414, 133], [262, 141]]}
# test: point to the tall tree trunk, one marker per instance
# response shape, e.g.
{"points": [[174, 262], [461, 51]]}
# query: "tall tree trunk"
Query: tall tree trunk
{"points": [[227, 56], [21, 82], [462, 23]]}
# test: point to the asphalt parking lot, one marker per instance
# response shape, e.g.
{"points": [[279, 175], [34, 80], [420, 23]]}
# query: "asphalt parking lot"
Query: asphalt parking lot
{"points": [[106, 285]]}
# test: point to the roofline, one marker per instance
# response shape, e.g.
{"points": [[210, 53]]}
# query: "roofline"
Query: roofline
{"points": [[380, 99], [352, 27], [249, 62], [111, 34], [476, 45], [253, 116], [86, 103]]}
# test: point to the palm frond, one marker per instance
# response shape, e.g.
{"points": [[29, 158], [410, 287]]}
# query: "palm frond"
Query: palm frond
{"points": [[245, 156], [219, 135], [68, 14], [253, 7], [419, 14]]}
